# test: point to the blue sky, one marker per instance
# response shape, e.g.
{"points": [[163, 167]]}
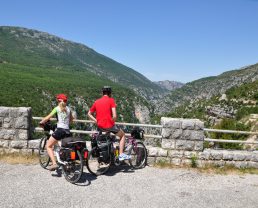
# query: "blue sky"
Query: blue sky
{"points": [[180, 40]]}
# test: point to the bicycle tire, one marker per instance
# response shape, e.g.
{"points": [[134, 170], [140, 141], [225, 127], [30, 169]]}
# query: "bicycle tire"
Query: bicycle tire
{"points": [[94, 166], [73, 169], [138, 154], [44, 159]]}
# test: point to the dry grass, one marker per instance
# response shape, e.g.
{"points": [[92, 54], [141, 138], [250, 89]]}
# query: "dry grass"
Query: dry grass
{"points": [[18, 158], [211, 169]]}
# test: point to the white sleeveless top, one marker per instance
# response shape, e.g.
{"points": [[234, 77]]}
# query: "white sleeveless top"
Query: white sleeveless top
{"points": [[63, 117]]}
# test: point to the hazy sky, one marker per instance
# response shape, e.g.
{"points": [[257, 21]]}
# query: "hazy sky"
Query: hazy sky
{"points": [[180, 40]]}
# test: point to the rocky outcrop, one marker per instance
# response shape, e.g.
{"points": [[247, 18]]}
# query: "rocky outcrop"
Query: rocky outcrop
{"points": [[169, 85], [142, 113]]}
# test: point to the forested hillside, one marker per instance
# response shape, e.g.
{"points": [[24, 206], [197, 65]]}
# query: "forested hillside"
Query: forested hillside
{"points": [[39, 49]]}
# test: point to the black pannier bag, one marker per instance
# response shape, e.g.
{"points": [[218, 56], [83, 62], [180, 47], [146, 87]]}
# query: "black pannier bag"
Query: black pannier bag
{"points": [[137, 133], [104, 146], [69, 142], [65, 154]]}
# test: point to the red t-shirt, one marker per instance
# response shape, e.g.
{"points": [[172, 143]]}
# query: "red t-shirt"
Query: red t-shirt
{"points": [[103, 108]]}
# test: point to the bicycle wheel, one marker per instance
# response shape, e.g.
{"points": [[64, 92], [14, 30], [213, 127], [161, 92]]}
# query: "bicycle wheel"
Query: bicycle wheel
{"points": [[94, 165], [44, 159], [138, 155], [73, 169]]}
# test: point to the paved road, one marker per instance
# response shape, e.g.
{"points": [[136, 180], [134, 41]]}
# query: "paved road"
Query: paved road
{"points": [[32, 186]]}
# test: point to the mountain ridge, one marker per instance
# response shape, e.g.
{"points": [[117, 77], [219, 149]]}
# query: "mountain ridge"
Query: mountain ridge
{"points": [[52, 51]]}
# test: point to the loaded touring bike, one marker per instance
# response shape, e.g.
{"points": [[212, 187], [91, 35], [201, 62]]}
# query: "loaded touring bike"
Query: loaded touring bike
{"points": [[71, 154], [104, 152]]}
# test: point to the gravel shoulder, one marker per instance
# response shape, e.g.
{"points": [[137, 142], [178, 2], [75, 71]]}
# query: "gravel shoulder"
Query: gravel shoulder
{"points": [[31, 186]]}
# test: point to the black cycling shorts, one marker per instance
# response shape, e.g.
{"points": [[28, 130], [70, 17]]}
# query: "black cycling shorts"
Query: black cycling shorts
{"points": [[60, 133], [114, 129]]}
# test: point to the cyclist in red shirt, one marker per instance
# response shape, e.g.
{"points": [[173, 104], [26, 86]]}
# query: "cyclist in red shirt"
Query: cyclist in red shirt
{"points": [[105, 109]]}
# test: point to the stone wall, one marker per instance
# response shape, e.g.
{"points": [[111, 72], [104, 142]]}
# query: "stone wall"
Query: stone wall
{"points": [[181, 143], [15, 129]]}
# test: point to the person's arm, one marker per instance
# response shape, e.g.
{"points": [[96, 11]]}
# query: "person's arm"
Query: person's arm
{"points": [[44, 120], [92, 117], [114, 116]]}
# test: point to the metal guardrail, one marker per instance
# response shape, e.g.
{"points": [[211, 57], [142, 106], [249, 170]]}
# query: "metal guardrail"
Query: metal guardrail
{"points": [[92, 132], [160, 126], [230, 132]]}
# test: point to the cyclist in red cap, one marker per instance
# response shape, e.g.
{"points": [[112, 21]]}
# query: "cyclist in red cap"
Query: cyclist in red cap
{"points": [[64, 117], [105, 109]]}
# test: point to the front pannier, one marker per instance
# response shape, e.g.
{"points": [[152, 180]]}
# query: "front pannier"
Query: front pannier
{"points": [[137, 133]]}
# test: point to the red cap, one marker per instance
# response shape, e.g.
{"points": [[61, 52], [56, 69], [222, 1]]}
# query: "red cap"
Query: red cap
{"points": [[61, 97]]}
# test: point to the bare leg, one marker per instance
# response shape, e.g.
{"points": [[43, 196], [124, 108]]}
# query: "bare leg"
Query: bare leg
{"points": [[121, 134], [50, 144]]}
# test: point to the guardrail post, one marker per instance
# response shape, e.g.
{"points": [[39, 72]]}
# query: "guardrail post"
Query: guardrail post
{"points": [[182, 134], [15, 128]]}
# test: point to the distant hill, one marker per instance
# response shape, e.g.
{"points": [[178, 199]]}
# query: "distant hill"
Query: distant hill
{"points": [[34, 48], [169, 85], [206, 88], [35, 66]]}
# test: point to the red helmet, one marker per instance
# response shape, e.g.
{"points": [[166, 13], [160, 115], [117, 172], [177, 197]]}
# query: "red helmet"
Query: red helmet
{"points": [[61, 97]]}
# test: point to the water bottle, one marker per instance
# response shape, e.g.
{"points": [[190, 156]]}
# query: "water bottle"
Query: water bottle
{"points": [[117, 151]]}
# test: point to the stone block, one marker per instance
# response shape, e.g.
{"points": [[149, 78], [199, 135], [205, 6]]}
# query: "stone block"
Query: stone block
{"points": [[155, 142], [176, 134], [241, 164], [22, 134], [168, 143], [162, 160], [198, 146], [205, 155], [254, 157], [8, 123], [151, 161], [219, 163], [227, 155], [252, 164], [13, 112], [22, 123], [186, 134], [153, 151], [190, 154], [239, 156], [197, 135], [24, 112], [176, 161], [166, 132], [1, 122], [186, 162], [162, 152], [199, 125], [4, 112], [188, 124], [174, 123], [8, 134], [4, 143], [12, 151], [185, 145], [175, 153], [18, 144], [216, 155], [33, 144]]}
